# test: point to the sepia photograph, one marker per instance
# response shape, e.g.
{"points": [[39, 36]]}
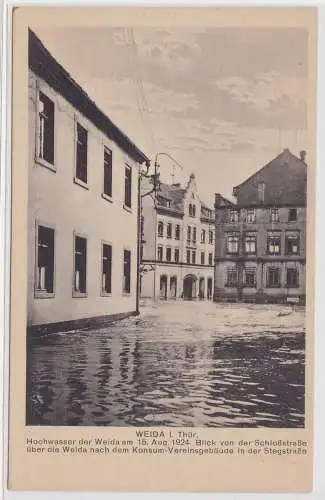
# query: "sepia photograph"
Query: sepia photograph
{"points": [[167, 210], [162, 249]]}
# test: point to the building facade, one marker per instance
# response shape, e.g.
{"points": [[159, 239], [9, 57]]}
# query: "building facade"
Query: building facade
{"points": [[82, 204], [260, 249], [177, 243]]}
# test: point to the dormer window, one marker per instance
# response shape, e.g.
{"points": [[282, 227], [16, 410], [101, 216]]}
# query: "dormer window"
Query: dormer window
{"points": [[261, 191]]}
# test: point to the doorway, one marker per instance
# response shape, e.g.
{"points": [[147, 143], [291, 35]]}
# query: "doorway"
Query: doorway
{"points": [[189, 286]]}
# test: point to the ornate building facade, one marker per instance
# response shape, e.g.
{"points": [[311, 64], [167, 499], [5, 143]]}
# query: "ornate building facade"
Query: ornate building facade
{"points": [[178, 243]]}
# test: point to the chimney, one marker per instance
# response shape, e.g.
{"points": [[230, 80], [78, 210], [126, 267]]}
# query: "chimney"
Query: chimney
{"points": [[303, 155]]}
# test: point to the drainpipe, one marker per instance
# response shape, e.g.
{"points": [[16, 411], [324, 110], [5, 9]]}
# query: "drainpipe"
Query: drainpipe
{"points": [[139, 238]]}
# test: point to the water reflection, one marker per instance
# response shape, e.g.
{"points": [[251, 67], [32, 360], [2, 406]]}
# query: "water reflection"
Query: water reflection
{"points": [[155, 370]]}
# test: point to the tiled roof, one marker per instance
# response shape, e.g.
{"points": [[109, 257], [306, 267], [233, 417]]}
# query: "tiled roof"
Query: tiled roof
{"points": [[285, 179]]}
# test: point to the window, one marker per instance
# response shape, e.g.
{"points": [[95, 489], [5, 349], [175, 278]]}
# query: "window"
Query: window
{"points": [[107, 269], [232, 244], [250, 277], [107, 172], [127, 272], [251, 215], [177, 231], [194, 210], [274, 216], [292, 278], [188, 257], [210, 259], [80, 264], [160, 229], [82, 147], [232, 278], [176, 255], [160, 253], [169, 230], [211, 237], [273, 277], [203, 236], [273, 243], [202, 258], [193, 257], [194, 234], [292, 244], [190, 210], [188, 234], [261, 191], [292, 216], [168, 254], [128, 186], [45, 260], [233, 215], [46, 128], [250, 243]]}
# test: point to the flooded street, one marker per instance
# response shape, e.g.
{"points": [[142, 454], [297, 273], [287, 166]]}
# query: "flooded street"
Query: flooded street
{"points": [[178, 364]]}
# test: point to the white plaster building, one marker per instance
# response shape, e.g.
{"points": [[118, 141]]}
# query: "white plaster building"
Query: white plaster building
{"points": [[178, 244], [82, 204]]}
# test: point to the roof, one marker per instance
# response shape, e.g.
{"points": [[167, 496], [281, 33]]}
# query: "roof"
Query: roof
{"points": [[42, 63], [175, 194], [285, 179]]}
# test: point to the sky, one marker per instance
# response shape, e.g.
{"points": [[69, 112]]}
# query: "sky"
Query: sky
{"points": [[221, 101]]}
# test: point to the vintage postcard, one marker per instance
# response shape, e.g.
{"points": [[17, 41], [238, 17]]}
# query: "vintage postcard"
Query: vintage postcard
{"points": [[162, 279]]}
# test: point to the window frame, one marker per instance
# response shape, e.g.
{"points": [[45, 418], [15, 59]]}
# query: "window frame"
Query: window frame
{"points": [[43, 294], [202, 258], [231, 283], [177, 232], [176, 250], [77, 294], [248, 271], [78, 120], [193, 254], [39, 160], [169, 234], [104, 293], [290, 211], [277, 212], [278, 235], [287, 238], [169, 251], [232, 236], [253, 238], [268, 284], [127, 207], [125, 292], [160, 223], [160, 247], [249, 212], [291, 285], [106, 196]]}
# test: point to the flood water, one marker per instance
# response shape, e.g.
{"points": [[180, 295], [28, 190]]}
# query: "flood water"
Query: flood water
{"points": [[179, 364]]}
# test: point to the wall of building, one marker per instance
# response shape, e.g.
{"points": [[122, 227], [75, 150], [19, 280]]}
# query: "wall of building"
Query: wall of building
{"points": [[57, 201], [261, 260], [151, 280]]}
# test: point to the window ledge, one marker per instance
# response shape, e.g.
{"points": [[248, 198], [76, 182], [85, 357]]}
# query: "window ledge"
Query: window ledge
{"points": [[42, 294], [80, 183], [127, 209], [79, 295], [291, 286], [126, 294], [107, 197], [44, 163], [105, 294]]}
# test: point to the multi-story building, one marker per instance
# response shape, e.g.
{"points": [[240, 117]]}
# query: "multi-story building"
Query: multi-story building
{"points": [[178, 243], [82, 204], [260, 249]]}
